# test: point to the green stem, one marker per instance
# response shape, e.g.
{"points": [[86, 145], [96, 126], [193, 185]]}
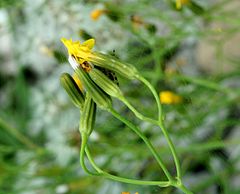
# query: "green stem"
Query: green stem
{"points": [[82, 162], [137, 114], [157, 67], [184, 189], [173, 150], [22, 138], [143, 80], [204, 83], [122, 179], [143, 137], [90, 158], [161, 125]]}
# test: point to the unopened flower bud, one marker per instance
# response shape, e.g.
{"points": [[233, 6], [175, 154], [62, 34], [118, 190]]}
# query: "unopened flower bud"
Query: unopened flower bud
{"points": [[102, 99], [88, 115], [105, 83], [109, 62], [72, 90]]}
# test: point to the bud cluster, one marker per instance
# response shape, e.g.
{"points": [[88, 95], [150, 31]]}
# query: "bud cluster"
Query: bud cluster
{"points": [[94, 81], [93, 85]]}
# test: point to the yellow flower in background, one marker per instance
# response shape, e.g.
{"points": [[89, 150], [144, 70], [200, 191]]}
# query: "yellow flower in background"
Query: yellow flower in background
{"points": [[80, 52], [179, 3], [168, 97], [95, 14]]}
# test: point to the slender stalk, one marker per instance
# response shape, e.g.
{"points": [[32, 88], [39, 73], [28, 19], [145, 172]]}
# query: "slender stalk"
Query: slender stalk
{"points": [[160, 113], [19, 136], [204, 83], [90, 158], [161, 125], [173, 150], [147, 142], [137, 114], [82, 162], [184, 189], [122, 179]]}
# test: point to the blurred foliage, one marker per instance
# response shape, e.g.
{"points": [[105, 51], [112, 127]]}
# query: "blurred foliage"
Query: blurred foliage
{"points": [[185, 51]]}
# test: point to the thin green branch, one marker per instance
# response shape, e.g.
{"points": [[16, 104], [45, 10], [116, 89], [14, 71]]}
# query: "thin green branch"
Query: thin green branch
{"points": [[19, 136], [122, 179], [161, 125], [137, 114], [143, 80], [143, 137], [82, 162]]}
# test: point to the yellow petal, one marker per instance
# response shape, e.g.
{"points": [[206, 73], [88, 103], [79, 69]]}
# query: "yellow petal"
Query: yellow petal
{"points": [[178, 4], [89, 43], [95, 14], [72, 47], [168, 97], [81, 52], [64, 41]]}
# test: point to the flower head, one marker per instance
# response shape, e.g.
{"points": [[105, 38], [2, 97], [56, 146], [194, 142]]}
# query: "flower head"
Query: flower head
{"points": [[81, 52], [81, 55], [95, 14], [179, 3], [168, 97]]}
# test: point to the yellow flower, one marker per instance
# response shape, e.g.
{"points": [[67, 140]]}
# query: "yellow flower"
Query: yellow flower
{"points": [[179, 3], [80, 52], [168, 97], [81, 55], [95, 14]]}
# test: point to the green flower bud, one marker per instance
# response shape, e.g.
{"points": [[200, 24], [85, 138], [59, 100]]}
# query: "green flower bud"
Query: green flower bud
{"points": [[102, 99], [109, 62], [88, 116], [105, 83], [72, 90]]}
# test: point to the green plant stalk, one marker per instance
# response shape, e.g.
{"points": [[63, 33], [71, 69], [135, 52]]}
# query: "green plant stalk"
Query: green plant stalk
{"points": [[121, 179], [161, 125], [137, 114], [178, 184], [204, 83], [173, 149], [102, 173], [144, 81], [184, 189], [157, 65], [82, 162], [143, 137], [20, 137]]}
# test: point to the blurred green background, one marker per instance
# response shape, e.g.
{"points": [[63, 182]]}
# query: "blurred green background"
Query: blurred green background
{"points": [[192, 51]]}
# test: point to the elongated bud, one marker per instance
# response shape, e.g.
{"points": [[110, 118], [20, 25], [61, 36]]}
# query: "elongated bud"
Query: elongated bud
{"points": [[78, 82], [102, 99], [72, 90], [105, 83], [109, 62], [88, 116]]}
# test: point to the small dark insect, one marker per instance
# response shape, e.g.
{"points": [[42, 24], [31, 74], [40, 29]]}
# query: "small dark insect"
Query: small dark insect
{"points": [[86, 66], [110, 74]]}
